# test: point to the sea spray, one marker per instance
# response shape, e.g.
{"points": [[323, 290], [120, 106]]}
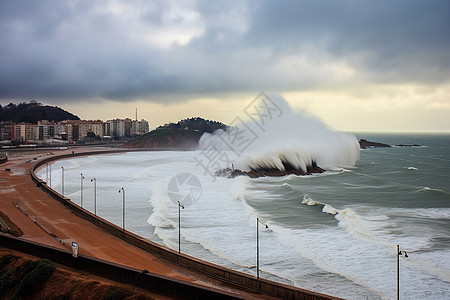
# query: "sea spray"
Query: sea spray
{"points": [[294, 139]]}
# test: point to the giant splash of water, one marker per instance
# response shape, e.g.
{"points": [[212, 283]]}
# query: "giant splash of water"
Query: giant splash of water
{"points": [[276, 137]]}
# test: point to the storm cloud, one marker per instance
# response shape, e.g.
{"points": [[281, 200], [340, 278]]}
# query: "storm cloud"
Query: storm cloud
{"points": [[128, 50]]}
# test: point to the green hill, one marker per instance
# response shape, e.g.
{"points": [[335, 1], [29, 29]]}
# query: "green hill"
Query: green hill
{"points": [[33, 112], [184, 134]]}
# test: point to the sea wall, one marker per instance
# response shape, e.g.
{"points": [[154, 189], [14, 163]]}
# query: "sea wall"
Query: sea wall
{"points": [[123, 274], [262, 285]]}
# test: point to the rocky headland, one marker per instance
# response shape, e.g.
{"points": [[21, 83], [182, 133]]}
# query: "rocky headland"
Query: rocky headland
{"points": [[364, 144], [184, 134]]}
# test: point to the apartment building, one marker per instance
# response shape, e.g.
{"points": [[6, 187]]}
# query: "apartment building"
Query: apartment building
{"points": [[139, 127], [71, 130]]}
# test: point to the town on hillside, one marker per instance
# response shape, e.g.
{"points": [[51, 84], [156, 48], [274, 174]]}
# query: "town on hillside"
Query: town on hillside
{"points": [[22, 125]]}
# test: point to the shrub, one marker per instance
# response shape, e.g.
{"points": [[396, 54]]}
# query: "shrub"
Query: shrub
{"points": [[36, 274], [116, 294], [6, 260], [8, 280]]}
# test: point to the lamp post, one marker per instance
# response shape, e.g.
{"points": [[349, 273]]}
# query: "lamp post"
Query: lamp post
{"points": [[62, 181], [123, 207], [257, 245], [48, 179], [81, 189], [179, 225], [95, 194], [398, 269]]}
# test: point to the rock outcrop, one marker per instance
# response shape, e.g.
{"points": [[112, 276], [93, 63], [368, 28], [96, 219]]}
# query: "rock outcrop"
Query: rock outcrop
{"points": [[263, 172], [403, 145], [364, 144]]}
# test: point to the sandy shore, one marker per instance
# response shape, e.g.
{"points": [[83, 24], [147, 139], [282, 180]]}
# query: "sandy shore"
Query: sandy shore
{"points": [[18, 187]]}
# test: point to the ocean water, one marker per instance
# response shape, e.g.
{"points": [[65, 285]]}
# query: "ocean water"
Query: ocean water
{"points": [[334, 233]]}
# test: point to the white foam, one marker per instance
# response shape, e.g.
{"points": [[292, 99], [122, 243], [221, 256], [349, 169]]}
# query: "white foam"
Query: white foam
{"points": [[413, 168], [370, 228], [295, 138]]}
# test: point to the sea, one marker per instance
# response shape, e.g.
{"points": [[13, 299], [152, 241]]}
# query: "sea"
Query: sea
{"points": [[334, 233]]}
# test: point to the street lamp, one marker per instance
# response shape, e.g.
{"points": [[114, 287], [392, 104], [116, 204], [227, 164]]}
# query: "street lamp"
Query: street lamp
{"points": [[62, 181], [81, 189], [179, 225], [398, 269], [95, 195], [123, 207], [47, 178], [257, 245]]}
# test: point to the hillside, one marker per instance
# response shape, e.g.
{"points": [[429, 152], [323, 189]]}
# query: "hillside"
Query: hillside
{"points": [[184, 134], [33, 112], [25, 277]]}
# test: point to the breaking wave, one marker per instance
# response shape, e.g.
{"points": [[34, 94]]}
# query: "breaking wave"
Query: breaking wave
{"points": [[280, 137]]}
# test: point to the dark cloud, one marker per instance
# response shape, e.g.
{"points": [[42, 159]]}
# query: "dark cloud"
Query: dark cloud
{"points": [[65, 50], [388, 40]]}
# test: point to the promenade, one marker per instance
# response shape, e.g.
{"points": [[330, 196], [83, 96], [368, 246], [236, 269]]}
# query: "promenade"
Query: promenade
{"points": [[18, 189]]}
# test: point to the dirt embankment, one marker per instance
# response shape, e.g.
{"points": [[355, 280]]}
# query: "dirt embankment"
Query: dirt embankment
{"points": [[7, 226], [25, 277]]}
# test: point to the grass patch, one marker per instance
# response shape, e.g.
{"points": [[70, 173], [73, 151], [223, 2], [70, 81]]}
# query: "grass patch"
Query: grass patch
{"points": [[116, 294], [21, 278], [36, 274], [10, 277]]}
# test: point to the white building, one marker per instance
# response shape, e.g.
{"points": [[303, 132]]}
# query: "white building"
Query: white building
{"points": [[139, 127]]}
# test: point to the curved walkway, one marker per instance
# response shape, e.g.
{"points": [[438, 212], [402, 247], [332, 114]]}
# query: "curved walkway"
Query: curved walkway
{"points": [[17, 187]]}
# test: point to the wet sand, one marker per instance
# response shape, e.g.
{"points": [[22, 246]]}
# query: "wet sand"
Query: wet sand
{"points": [[16, 186]]}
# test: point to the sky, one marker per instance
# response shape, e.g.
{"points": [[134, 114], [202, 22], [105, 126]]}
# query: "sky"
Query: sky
{"points": [[358, 65]]}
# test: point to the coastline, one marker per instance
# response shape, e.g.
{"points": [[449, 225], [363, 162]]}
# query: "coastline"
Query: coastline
{"points": [[93, 241]]}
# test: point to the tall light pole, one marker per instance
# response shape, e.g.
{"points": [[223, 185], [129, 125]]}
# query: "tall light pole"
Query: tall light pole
{"points": [[398, 269], [123, 207], [81, 189], [62, 181], [95, 195], [257, 245], [179, 225]]}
